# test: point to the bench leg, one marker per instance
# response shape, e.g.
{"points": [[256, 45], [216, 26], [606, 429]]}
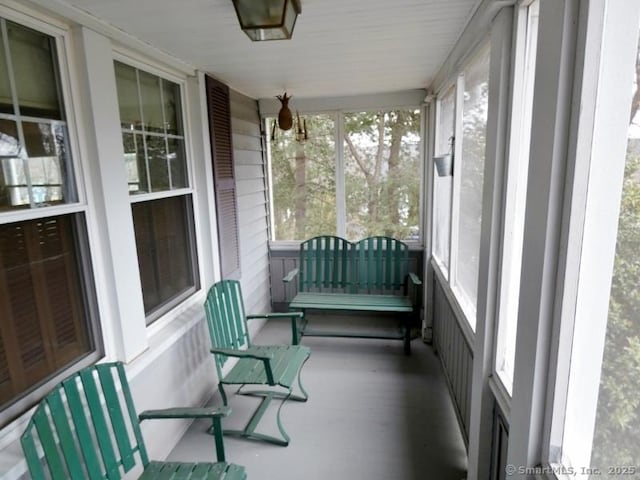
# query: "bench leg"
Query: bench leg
{"points": [[407, 334]]}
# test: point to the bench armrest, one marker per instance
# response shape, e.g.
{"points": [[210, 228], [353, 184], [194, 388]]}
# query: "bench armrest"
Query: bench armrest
{"points": [[214, 413], [291, 275], [275, 315], [413, 278]]}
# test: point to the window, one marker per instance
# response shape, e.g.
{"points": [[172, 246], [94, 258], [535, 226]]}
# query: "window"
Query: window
{"points": [[469, 170], [382, 174], [516, 186], [445, 136], [161, 201], [303, 180], [47, 298], [596, 414], [366, 183]]}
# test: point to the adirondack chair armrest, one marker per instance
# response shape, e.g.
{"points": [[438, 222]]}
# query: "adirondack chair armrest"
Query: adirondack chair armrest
{"points": [[231, 352], [291, 275], [185, 412], [266, 359], [413, 278], [214, 413]]}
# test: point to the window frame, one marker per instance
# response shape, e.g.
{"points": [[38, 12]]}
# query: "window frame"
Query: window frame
{"points": [[12, 416], [516, 169], [444, 269], [612, 30], [159, 317], [341, 209], [463, 303]]}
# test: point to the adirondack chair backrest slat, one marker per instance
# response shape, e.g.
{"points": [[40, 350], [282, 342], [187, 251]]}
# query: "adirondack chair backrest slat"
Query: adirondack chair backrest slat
{"points": [[382, 264], [226, 318], [86, 427], [324, 264]]}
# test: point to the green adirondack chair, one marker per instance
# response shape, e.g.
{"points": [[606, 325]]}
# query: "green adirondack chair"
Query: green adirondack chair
{"points": [[86, 428], [275, 366]]}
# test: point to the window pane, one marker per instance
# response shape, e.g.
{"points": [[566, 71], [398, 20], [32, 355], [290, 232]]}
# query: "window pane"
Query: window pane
{"points": [[151, 102], [515, 210], [166, 252], [37, 175], [34, 67], [135, 162], [382, 174], [617, 429], [172, 108], [177, 163], [44, 292], [6, 101], [470, 167], [128, 99], [158, 163], [303, 180], [445, 130]]}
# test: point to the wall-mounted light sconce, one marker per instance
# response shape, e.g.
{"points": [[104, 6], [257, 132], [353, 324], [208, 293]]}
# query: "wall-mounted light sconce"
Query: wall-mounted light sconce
{"points": [[267, 19]]}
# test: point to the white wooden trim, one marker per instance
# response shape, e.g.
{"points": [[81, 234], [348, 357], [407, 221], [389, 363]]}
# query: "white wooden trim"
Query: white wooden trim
{"points": [[615, 36], [482, 400], [409, 98], [542, 267], [341, 188]]}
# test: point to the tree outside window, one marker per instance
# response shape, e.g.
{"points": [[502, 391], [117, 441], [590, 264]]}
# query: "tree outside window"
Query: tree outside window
{"points": [[379, 166]]}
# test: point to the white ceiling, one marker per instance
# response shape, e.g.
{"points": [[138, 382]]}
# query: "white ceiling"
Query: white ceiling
{"points": [[339, 47]]}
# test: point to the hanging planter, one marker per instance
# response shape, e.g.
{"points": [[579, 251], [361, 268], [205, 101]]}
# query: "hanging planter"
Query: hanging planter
{"points": [[444, 164]]}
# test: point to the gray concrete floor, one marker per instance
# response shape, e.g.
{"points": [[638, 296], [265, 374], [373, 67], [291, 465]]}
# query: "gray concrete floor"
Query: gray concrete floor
{"points": [[373, 413]]}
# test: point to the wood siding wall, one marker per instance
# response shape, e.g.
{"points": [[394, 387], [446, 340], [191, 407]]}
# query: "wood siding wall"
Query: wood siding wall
{"points": [[455, 354], [283, 261], [251, 191]]}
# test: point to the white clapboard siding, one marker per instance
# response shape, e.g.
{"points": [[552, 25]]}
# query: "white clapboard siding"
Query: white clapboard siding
{"points": [[252, 203]]}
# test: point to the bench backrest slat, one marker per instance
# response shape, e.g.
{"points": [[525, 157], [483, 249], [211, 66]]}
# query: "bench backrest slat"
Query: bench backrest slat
{"points": [[226, 318], [383, 264], [372, 265], [324, 264], [84, 428]]}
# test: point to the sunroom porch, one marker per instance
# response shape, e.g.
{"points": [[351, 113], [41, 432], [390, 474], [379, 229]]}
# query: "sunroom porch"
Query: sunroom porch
{"points": [[141, 163]]}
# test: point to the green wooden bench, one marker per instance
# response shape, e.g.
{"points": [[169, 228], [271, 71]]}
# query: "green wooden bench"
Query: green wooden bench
{"points": [[86, 428], [371, 275], [275, 366]]}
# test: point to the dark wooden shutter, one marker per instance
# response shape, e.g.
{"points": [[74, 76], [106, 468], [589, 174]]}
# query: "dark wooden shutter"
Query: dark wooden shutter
{"points": [[219, 109]]}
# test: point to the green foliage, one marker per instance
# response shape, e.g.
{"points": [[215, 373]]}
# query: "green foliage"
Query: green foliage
{"points": [[382, 177], [617, 434], [382, 173]]}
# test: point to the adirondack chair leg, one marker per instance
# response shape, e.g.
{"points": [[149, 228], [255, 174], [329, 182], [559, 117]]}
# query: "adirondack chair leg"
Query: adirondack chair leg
{"points": [[305, 396], [249, 429], [223, 394]]}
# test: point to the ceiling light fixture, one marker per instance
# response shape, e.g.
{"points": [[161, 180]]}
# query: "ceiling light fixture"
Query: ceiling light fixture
{"points": [[267, 19]]}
